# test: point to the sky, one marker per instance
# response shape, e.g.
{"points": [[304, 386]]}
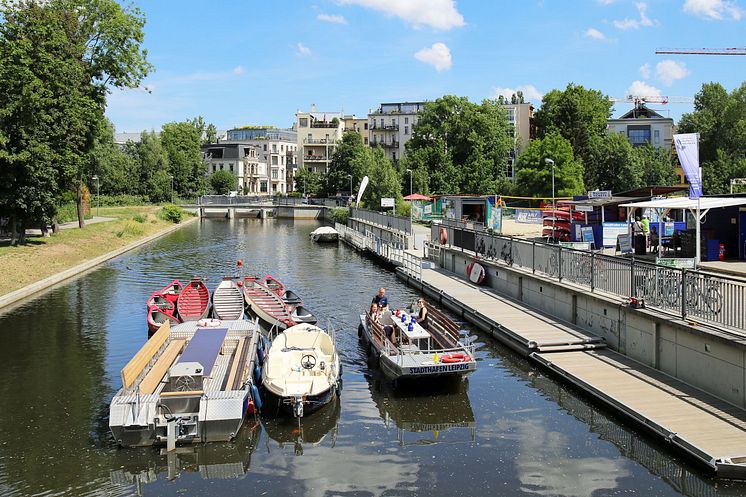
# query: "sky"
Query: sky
{"points": [[258, 62]]}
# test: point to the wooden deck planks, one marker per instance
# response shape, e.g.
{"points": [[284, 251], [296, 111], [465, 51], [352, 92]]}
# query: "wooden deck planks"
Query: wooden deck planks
{"points": [[706, 422]]}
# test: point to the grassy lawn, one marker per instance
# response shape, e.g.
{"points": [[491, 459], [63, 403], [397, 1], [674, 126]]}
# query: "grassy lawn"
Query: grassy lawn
{"points": [[43, 257]]}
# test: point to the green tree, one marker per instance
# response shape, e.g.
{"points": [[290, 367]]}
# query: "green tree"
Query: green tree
{"points": [[211, 134], [577, 113], [535, 174], [117, 171], [349, 159], [720, 119], [655, 166], [453, 136], [182, 144], [612, 164], [384, 180], [152, 159], [308, 181], [223, 182]]}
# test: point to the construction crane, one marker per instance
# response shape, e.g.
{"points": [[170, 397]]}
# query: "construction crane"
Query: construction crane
{"points": [[700, 51], [639, 100]]}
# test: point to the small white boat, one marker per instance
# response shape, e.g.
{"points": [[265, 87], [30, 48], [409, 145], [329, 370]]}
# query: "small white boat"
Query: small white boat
{"points": [[405, 350], [227, 300], [302, 370], [324, 234]]}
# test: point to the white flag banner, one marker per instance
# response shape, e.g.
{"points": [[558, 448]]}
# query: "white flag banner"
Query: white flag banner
{"points": [[687, 147], [363, 184]]}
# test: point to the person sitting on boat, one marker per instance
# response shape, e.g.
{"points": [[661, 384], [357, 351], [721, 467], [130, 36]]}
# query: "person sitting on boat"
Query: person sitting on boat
{"points": [[422, 315], [381, 300], [387, 321]]}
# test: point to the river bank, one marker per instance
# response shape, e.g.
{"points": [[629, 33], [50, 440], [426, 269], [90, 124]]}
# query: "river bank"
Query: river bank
{"points": [[46, 261]]}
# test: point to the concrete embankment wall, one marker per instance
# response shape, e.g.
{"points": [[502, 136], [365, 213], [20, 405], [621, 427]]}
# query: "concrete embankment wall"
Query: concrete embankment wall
{"points": [[698, 355]]}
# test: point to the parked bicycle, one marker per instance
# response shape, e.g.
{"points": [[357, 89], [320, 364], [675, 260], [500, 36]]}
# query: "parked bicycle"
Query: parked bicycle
{"points": [[702, 295]]}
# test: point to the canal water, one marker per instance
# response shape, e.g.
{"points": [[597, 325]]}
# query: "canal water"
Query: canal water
{"points": [[508, 430]]}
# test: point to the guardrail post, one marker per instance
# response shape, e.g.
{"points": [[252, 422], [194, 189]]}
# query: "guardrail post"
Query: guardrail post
{"points": [[593, 270], [683, 293], [559, 262], [632, 289], [533, 257]]}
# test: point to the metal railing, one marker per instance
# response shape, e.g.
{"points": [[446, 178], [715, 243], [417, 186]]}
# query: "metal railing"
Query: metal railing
{"points": [[689, 294], [356, 238], [236, 199], [397, 223]]}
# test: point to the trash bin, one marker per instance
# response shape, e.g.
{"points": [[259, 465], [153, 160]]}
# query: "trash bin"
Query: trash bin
{"points": [[721, 252], [640, 245]]}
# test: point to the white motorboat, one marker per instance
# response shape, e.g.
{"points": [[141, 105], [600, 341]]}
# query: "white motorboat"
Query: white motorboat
{"points": [[302, 370], [405, 350], [324, 234]]}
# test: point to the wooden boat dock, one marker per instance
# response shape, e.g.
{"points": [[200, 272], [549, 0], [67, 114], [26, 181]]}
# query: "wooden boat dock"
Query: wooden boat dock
{"points": [[707, 429]]}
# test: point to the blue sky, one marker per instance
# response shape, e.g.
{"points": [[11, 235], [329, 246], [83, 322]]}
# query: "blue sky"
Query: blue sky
{"points": [[255, 62]]}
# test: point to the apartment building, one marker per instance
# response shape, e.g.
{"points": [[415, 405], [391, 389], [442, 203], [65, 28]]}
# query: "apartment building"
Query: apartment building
{"points": [[277, 148], [358, 125], [644, 125], [242, 159], [318, 135], [520, 118], [390, 126]]}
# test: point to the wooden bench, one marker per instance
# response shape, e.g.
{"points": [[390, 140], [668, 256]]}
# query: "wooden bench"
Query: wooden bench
{"points": [[151, 381], [140, 361], [237, 359]]}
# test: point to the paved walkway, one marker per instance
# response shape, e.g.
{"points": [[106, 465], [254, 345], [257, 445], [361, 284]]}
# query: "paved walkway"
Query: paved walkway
{"points": [[697, 423], [64, 226]]}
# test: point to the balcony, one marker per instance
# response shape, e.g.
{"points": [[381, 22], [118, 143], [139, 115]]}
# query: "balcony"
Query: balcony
{"points": [[393, 144], [385, 127], [320, 141], [315, 158], [322, 124]]}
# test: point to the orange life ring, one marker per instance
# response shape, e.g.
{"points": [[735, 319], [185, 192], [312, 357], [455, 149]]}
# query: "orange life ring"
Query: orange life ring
{"points": [[457, 357], [443, 236]]}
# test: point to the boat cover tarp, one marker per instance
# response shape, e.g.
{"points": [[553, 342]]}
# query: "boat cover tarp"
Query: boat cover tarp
{"points": [[204, 348]]}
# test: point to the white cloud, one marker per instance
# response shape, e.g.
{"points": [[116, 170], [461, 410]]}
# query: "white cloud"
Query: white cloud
{"points": [[332, 18], [238, 70], [594, 34], [530, 93], [645, 70], [438, 56], [643, 21], [438, 14], [605, 2], [302, 50], [668, 71], [714, 9], [642, 89]]}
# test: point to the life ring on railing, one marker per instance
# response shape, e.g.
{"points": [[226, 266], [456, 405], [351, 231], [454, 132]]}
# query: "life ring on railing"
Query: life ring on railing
{"points": [[208, 323], [443, 236], [476, 273], [453, 358]]}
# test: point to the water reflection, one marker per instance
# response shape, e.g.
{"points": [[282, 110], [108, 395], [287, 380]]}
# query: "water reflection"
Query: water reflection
{"points": [[441, 409], [309, 431]]}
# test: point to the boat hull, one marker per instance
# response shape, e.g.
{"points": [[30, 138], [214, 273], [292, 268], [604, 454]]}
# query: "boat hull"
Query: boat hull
{"points": [[285, 403], [193, 303], [423, 368]]}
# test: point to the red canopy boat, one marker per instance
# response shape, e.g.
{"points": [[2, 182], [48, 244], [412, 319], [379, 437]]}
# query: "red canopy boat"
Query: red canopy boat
{"points": [[266, 303], [193, 303]]}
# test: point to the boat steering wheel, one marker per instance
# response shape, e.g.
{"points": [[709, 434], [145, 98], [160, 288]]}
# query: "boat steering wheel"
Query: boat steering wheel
{"points": [[308, 361]]}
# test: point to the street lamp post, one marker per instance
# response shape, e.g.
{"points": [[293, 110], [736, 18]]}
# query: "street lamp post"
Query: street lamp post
{"points": [[410, 194], [554, 205], [98, 195], [350, 176], [172, 187]]}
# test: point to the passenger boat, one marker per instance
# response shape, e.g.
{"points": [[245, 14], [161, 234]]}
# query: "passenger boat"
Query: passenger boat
{"points": [[188, 384], [193, 303], [411, 352], [157, 317], [324, 234], [302, 370], [228, 301], [266, 304], [171, 292]]}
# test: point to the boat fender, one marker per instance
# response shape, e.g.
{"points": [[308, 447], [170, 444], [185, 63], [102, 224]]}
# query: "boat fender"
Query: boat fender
{"points": [[256, 397], [250, 407], [257, 375], [360, 330], [260, 357]]}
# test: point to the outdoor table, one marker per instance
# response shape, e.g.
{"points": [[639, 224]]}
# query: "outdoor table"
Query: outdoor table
{"points": [[418, 336]]}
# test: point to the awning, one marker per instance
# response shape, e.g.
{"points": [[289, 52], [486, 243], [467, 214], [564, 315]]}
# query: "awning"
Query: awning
{"points": [[417, 196], [704, 203]]}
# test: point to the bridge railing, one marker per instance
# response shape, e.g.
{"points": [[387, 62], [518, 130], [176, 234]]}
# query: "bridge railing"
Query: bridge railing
{"points": [[686, 293]]}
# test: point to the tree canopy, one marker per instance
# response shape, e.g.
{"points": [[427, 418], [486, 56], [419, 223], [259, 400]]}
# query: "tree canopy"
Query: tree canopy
{"points": [[223, 182], [535, 174]]}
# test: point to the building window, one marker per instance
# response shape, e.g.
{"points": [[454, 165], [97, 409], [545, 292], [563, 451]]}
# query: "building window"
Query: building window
{"points": [[274, 187], [274, 173], [382, 122], [406, 130], [274, 160], [282, 148], [214, 167], [231, 167], [657, 136], [406, 120], [393, 155], [365, 140], [274, 148], [221, 167], [366, 125], [638, 135], [263, 187], [303, 122]]}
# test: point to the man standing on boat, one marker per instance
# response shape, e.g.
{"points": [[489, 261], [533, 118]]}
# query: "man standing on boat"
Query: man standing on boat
{"points": [[381, 300]]}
